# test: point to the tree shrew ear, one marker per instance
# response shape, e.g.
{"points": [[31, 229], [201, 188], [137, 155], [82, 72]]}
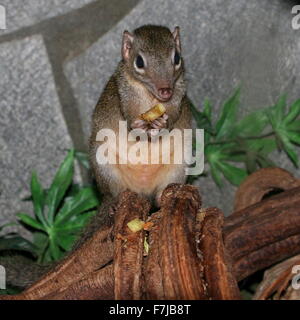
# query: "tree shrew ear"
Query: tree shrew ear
{"points": [[127, 44], [176, 35]]}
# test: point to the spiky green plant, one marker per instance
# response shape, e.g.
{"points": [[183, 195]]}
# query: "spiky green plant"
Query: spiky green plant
{"points": [[60, 212], [249, 141]]}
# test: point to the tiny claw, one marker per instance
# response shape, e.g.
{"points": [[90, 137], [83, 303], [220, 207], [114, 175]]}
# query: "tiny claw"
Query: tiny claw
{"points": [[159, 122], [138, 123], [156, 126]]}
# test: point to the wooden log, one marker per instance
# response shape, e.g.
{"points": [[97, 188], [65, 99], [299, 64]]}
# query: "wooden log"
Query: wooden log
{"points": [[266, 256], [177, 267], [129, 246], [90, 257], [97, 285], [267, 227], [218, 271], [260, 184], [181, 272], [152, 273]]}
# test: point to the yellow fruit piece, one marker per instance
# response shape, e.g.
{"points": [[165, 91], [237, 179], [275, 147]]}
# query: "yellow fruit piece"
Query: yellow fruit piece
{"points": [[154, 113], [146, 246], [136, 225]]}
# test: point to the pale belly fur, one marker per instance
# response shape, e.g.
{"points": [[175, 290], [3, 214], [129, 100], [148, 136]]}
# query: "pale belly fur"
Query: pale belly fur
{"points": [[147, 178]]}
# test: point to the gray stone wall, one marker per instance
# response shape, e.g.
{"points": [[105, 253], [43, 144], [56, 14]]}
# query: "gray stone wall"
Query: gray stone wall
{"points": [[56, 56]]}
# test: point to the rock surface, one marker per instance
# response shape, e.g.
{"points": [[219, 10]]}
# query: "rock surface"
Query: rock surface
{"points": [[33, 133], [28, 12], [226, 44]]}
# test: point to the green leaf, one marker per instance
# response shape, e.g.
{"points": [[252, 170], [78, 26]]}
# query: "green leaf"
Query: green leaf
{"points": [[16, 243], [47, 257], [264, 146], [83, 158], [207, 109], [252, 125], [72, 191], [279, 109], [213, 155], [216, 155], [290, 151], [265, 162], [270, 115], [38, 197], [282, 127], [30, 221], [60, 184], [41, 242], [54, 250], [202, 121], [236, 155], [39, 239], [233, 174], [227, 119], [294, 126], [77, 222], [293, 113], [249, 141], [67, 242], [251, 152], [215, 175], [294, 137], [250, 162], [86, 199]]}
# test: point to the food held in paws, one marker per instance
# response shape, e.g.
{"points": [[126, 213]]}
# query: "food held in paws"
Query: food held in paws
{"points": [[154, 113]]}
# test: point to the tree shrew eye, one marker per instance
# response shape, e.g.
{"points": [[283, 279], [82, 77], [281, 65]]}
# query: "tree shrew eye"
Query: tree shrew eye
{"points": [[139, 62], [176, 58]]}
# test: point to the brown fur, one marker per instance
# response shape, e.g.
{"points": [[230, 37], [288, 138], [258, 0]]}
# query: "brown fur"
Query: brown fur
{"points": [[126, 96]]}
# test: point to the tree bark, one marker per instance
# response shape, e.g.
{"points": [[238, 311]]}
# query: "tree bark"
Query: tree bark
{"points": [[218, 271], [265, 232], [193, 253]]}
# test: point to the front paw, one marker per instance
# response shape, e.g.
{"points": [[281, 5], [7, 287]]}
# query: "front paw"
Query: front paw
{"points": [[152, 128], [140, 124], [158, 124]]}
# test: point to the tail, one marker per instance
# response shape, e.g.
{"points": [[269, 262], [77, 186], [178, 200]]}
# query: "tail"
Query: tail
{"points": [[21, 271]]}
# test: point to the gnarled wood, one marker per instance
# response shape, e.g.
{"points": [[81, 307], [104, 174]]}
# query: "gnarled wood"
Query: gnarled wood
{"points": [[261, 225], [194, 254], [129, 246], [97, 285], [180, 268], [90, 257], [218, 271], [153, 281], [260, 184], [266, 256]]}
